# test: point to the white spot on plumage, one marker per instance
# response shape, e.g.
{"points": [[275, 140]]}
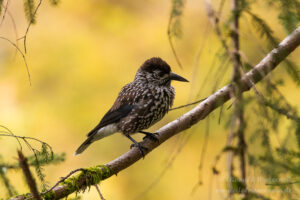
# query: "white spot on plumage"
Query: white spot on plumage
{"points": [[105, 131]]}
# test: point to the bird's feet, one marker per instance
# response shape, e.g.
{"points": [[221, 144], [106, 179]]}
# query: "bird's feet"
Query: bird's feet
{"points": [[151, 136], [140, 147]]}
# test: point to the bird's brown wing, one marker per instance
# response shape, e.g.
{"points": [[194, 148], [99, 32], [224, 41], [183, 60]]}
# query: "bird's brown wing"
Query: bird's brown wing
{"points": [[112, 117], [121, 108]]}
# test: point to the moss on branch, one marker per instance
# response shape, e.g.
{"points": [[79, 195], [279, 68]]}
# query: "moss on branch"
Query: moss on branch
{"points": [[76, 183]]}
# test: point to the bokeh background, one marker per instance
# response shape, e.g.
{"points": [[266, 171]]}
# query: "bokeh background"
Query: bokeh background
{"points": [[79, 55]]}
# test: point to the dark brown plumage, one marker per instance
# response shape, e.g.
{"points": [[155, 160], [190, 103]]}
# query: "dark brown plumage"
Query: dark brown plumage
{"points": [[140, 103]]}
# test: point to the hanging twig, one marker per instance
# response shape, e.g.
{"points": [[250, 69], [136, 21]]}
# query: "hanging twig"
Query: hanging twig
{"points": [[99, 192], [29, 25], [22, 54], [4, 14]]}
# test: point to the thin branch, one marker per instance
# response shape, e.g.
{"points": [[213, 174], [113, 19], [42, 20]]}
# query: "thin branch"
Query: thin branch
{"points": [[35, 151], [93, 176], [175, 14], [283, 183], [63, 179], [28, 176], [214, 19], [238, 104], [11, 133], [29, 25], [173, 48], [189, 104], [99, 192], [15, 30], [4, 14], [22, 54], [202, 156]]}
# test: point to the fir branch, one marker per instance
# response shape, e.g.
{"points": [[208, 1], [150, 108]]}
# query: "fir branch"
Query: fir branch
{"points": [[289, 10], [25, 139], [174, 28], [29, 11], [282, 111], [44, 155], [96, 174], [263, 28], [43, 161], [292, 71], [29, 25], [283, 183]]}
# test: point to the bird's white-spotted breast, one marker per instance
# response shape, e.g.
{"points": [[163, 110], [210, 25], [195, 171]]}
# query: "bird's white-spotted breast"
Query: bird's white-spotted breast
{"points": [[150, 105]]}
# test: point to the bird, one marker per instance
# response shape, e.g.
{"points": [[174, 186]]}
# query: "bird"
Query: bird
{"points": [[140, 104]]}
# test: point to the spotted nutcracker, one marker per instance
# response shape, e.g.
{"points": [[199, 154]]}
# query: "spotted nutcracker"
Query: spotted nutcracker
{"points": [[139, 105]]}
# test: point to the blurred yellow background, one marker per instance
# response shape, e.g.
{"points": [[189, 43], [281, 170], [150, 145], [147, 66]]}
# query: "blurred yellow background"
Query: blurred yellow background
{"points": [[80, 54]]}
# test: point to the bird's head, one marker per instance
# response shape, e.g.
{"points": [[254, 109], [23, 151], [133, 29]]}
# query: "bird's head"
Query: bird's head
{"points": [[157, 71]]}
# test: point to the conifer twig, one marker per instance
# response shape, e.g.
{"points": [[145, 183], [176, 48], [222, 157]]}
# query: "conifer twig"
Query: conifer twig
{"points": [[29, 25]]}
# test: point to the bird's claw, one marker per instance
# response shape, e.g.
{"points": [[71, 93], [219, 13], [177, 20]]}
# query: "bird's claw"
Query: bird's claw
{"points": [[140, 147]]}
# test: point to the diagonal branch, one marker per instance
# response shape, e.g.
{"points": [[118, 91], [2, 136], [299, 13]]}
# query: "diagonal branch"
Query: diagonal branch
{"points": [[28, 176], [94, 175]]}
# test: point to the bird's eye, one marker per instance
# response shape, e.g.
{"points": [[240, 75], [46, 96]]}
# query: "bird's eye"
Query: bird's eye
{"points": [[161, 74]]}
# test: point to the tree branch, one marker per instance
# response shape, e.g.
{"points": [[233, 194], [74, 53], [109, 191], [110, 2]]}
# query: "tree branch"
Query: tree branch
{"points": [[238, 115], [94, 175], [28, 176]]}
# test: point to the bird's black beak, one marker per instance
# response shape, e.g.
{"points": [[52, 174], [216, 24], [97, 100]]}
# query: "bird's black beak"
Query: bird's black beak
{"points": [[176, 77]]}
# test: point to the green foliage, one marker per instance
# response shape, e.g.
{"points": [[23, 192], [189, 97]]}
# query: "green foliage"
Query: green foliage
{"points": [[43, 157], [289, 14], [270, 111], [29, 9], [263, 28], [284, 161], [40, 158], [238, 186], [174, 28], [297, 133], [292, 70], [83, 180]]}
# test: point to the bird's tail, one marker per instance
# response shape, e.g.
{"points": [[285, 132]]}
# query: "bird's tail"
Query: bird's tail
{"points": [[84, 145]]}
